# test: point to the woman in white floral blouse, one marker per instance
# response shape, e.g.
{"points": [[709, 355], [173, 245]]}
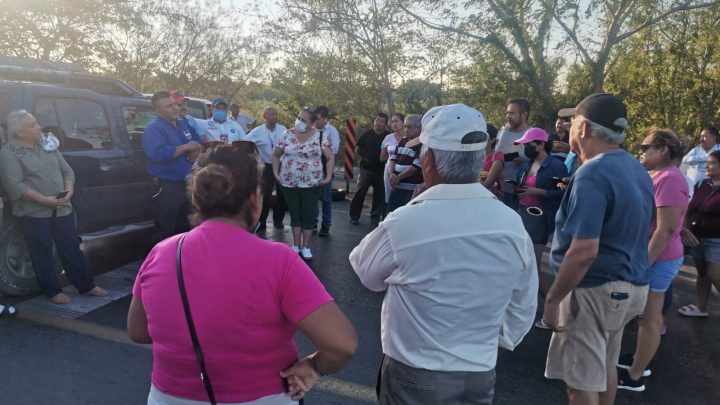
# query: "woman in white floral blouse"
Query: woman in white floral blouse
{"points": [[299, 168]]}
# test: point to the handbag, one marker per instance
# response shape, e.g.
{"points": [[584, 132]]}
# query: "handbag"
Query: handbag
{"points": [[191, 325]]}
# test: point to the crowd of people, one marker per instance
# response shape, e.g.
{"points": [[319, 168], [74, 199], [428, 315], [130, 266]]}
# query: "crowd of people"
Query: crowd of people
{"points": [[462, 215]]}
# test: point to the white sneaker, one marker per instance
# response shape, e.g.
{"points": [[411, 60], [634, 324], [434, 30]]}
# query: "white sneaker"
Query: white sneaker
{"points": [[295, 249], [306, 253]]}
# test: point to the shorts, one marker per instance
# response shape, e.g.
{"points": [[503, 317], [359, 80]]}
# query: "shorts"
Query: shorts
{"points": [[662, 274], [157, 397], [302, 204], [708, 250], [595, 319]]}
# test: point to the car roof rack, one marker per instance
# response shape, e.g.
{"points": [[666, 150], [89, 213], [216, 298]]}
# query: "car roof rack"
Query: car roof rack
{"points": [[64, 74]]}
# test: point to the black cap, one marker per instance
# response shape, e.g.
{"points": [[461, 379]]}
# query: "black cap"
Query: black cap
{"points": [[601, 108]]}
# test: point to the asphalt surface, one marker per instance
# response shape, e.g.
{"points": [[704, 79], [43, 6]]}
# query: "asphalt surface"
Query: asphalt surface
{"points": [[48, 359]]}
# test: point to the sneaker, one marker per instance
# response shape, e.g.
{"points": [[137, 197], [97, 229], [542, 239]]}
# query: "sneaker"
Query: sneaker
{"points": [[354, 221], [627, 383], [306, 253], [295, 249], [60, 299], [540, 324], [324, 231], [626, 361], [98, 292]]}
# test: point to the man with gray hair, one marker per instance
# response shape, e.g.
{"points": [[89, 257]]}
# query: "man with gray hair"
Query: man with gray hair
{"points": [[40, 183], [404, 166], [599, 253], [459, 271]]}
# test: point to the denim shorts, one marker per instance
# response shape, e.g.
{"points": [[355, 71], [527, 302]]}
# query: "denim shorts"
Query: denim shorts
{"points": [[662, 274], [708, 250]]}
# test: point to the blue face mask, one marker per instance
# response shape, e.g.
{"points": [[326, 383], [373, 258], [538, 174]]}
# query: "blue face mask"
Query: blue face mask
{"points": [[219, 116]]}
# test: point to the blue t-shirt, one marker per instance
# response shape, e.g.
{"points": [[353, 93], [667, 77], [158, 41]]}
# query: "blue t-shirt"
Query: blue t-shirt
{"points": [[610, 198]]}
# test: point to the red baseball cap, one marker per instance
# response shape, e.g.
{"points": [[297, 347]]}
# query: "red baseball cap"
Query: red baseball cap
{"points": [[178, 96]]}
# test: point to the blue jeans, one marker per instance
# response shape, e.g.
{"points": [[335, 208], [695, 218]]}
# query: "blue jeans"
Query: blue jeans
{"points": [[40, 233], [398, 198], [326, 202]]}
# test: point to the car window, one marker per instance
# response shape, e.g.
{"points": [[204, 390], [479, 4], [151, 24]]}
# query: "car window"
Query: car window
{"points": [[197, 109], [84, 125], [136, 118]]}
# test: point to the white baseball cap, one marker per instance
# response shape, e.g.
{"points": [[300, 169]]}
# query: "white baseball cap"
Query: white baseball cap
{"points": [[444, 127]]}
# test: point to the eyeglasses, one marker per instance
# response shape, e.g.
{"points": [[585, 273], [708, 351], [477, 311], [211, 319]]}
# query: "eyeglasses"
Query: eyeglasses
{"points": [[644, 148]]}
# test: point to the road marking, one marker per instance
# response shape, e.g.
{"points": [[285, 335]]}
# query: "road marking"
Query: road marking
{"points": [[329, 385]]}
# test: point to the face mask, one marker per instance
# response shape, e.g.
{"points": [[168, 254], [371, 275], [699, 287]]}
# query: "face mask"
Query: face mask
{"points": [[49, 142], [300, 126], [219, 116], [530, 151]]}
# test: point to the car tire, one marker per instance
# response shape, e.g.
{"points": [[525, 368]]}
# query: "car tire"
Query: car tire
{"points": [[16, 273]]}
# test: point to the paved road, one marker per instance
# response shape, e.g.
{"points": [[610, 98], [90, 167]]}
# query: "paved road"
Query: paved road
{"points": [[51, 358]]}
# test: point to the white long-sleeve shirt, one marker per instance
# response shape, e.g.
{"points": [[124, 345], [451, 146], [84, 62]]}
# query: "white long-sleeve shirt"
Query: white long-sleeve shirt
{"points": [[696, 162], [461, 279]]}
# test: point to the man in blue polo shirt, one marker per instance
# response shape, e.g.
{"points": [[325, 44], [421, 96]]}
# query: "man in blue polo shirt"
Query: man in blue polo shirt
{"points": [[171, 147]]}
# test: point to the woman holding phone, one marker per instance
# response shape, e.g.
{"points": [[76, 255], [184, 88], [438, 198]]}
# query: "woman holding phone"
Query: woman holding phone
{"points": [[537, 190]]}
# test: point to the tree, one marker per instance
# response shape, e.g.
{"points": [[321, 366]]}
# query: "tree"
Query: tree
{"points": [[522, 31], [378, 35]]}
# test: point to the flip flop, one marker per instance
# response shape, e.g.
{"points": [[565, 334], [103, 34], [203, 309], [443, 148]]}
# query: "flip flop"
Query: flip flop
{"points": [[692, 311]]}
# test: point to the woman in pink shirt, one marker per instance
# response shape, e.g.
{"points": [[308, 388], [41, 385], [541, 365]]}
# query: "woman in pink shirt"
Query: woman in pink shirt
{"points": [[247, 297], [665, 252]]}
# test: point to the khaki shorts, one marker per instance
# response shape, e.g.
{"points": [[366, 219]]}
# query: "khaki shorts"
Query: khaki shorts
{"points": [[581, 355]]}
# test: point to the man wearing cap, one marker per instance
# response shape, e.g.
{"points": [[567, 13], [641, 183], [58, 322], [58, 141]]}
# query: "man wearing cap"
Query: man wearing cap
{"points": [[246, 122], [516, 114], [171, 146], [265, 137], [599, 253], [443, 248], [181, 100], [219, 127]]}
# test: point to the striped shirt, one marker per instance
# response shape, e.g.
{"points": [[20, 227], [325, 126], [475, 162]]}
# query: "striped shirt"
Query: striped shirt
{"points": [[405, 158]]}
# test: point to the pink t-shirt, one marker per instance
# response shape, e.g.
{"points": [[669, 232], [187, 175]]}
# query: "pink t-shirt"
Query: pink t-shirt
{"points": [[671, 190], [533, 200], [246, 295]]}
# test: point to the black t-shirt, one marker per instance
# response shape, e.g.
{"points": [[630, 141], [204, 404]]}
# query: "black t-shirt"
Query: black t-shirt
{"points": [[368, 147]]}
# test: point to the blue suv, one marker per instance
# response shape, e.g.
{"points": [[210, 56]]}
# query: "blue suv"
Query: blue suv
{"points": [[99, 122]]}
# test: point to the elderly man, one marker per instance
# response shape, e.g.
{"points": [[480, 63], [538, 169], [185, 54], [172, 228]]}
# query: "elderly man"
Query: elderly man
{"points": [[40, 184], [265, 137], [171, 146], [405, 172], [599, 252], [459, 270], [219, 127]]}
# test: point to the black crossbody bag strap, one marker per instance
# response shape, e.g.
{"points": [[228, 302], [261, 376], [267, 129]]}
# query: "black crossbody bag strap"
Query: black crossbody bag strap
{"points": [[191, 326]]}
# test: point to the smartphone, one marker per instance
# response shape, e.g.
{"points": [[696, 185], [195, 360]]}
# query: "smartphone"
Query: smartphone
{"points": [[513, 182], [559, 180], [62, 194]]}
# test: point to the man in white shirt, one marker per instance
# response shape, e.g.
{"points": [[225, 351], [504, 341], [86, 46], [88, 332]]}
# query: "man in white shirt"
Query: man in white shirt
{"points": [[219, 127], [696, 160], [331, 132], [459, 270], [265, 137], [246, 122]]}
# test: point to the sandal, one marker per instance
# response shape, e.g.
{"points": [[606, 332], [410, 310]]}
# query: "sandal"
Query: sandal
{"points": [[692, 311], [9, 309]]}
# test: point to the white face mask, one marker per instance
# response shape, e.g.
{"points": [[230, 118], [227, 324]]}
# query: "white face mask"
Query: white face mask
{"points": [[300, 126], [49, 142]]}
